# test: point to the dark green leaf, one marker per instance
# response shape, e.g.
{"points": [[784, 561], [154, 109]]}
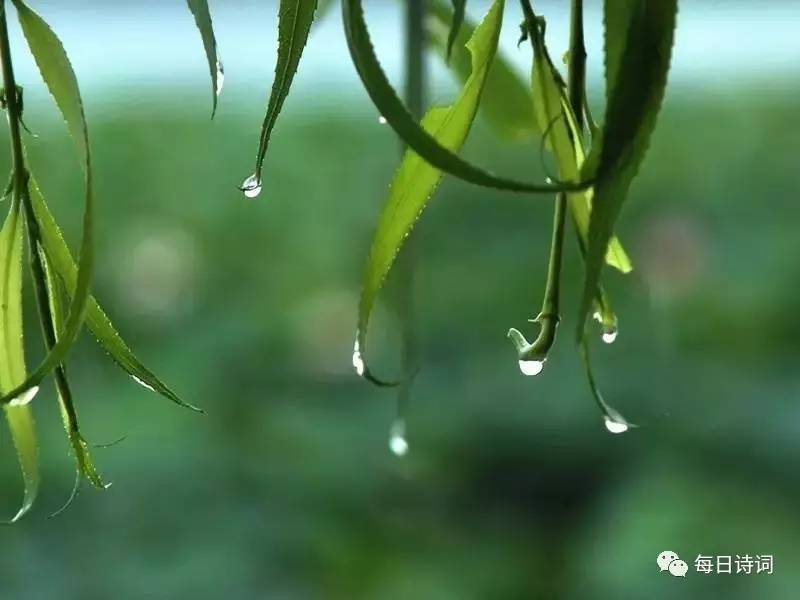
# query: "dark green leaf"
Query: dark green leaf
{"points": [[60, 79], [614, 421], [12, 356], [295, 18], [506, 102], [416, 180], [202, 17], [98, 323], [459, 10], [639, 37], [396, 114]]}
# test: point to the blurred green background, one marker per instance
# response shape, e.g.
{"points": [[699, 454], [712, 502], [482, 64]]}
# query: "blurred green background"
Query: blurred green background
{"points": [[512, 487]]}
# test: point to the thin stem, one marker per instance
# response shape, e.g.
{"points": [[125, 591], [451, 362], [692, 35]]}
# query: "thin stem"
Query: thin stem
{"points": [[13, 108], [415, 83]]}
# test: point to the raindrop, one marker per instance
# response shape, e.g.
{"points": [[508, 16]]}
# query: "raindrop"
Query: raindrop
{"points": [[25, 397], [616, 426], [609, 336], [143, 383], [382, 120], [251, 186], [397, 438], [220, 77], [358, 361], [531, 367]]}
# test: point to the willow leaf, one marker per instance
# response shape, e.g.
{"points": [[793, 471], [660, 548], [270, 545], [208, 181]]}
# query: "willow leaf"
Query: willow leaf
{"points": [[639, 36], [202, 17], [69, 416], [614, 421], [416, 180], [60, 79], [295, 18], [557, 122], [12, 357], [99, 324], [506, 103], [459, 11], [392, 109]]}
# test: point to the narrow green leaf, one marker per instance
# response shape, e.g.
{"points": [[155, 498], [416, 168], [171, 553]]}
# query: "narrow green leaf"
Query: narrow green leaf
{"points": [[506, 102], [639, 36], [392, 109], [614, 421], [295, 18], [98, 323], [202, 17], [557, 122], [459, 11], [57, 73], [69, 416], [12, 356], [416, 180]]}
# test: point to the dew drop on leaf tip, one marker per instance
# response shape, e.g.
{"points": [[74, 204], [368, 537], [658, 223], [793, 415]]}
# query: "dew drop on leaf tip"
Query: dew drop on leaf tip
{"points": [[397, 438], [615, 426], [531, 367], [25, 397], [610, 336], [382, 120], [251, 186], [358, 361]]}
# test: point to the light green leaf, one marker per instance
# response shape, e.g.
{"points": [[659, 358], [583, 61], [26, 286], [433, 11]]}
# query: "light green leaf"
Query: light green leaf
{"points": [[12, 356], [60, 79], [98, 323], [202, 17], [69, 416], [506, 102], [557, 121], [295, 18], [639, 36], [416, 180], [392, 109]]}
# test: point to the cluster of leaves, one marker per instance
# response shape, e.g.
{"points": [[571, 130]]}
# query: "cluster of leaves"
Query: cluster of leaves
{"points": [[61, 286], [596, 164], [595, 168]]}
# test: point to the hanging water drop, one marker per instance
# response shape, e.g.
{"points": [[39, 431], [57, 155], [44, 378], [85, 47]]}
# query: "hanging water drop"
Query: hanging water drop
{"points": [[382, 120], [358, 361], [144, 384], [220, 77], [614, 426], [531, 367], [609, 336], [397, 438], [25, 397], [251, 186]]}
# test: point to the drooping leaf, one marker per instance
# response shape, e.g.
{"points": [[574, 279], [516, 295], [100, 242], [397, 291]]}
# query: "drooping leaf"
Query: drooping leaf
{"points": [[416, 180], [12, 356], [98, 323], [506, 102], [639, 36], [69, 416], [295, 18], [202, 17], [60, 79], [614, 421], [557, 122], [392, 109], [459, 11]]}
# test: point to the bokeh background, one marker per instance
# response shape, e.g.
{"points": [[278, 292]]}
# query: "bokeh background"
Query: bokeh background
{"points": [[512, 487]]}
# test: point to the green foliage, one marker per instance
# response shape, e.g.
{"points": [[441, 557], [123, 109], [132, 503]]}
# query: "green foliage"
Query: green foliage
{"points": [[202, 17]]}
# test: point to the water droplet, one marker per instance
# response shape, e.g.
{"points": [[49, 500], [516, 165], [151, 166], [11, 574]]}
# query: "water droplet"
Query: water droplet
{"points": [[25, 397], [358, 361], [597, 316], [382, 120], [220, 77], [397, 438], [251, 186], [610, 336], [531, 367], [616, 426], [143, 383]]}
